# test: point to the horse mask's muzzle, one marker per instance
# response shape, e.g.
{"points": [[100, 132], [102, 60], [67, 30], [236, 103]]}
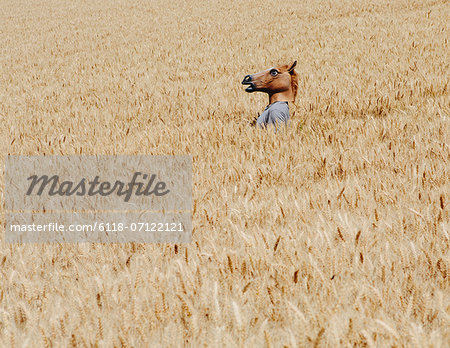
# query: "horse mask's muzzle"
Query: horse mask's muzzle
{"points": [[248, 80]]}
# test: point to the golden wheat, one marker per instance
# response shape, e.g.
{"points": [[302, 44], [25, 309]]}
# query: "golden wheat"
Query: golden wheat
{"points": [[331, 233]]}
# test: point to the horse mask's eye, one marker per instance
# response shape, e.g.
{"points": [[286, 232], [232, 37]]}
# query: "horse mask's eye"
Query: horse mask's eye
{"points": [[274, 72]]}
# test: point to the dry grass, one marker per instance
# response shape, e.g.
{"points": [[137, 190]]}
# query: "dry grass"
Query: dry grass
{"points": [[334, 232]]}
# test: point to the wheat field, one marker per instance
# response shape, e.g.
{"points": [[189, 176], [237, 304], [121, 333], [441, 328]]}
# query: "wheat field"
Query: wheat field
{"points": [[333, 232]]}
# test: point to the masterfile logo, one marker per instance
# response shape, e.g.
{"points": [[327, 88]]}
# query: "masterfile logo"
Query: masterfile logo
{"points": [[98, 198], [54, 186]]}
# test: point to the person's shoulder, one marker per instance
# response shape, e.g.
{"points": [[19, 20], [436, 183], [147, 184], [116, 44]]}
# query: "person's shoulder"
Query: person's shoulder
{"points": [[280, 107]]}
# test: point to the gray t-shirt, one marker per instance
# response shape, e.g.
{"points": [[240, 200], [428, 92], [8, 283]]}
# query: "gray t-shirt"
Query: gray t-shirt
{"points": [[275, 113]]}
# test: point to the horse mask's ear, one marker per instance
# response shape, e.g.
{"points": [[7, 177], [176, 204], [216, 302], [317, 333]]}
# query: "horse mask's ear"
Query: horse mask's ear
{"points": [[291, 69]]}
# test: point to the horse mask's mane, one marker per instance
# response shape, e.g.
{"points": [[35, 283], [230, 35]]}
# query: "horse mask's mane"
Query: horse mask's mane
{"points": [[294, 79]]}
